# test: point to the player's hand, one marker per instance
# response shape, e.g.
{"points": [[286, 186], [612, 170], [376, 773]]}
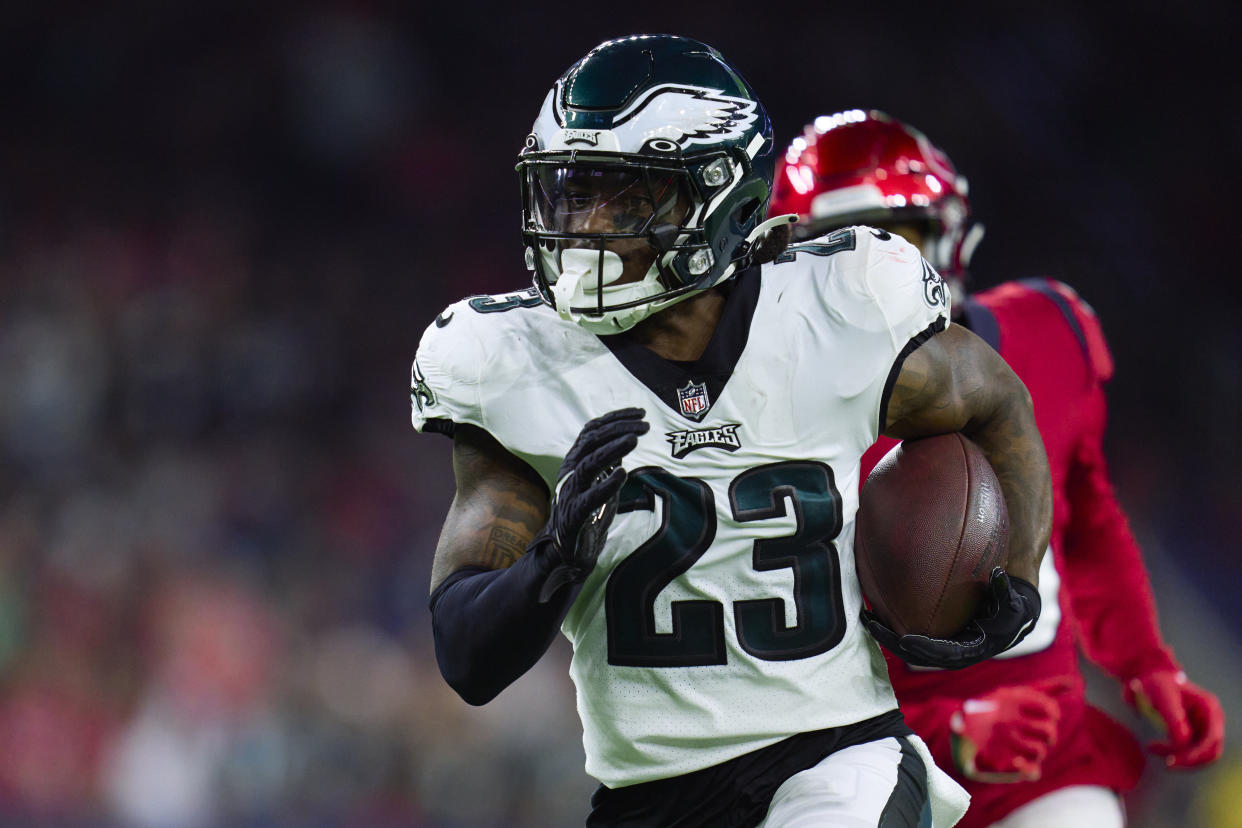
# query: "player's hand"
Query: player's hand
{"points": [[1007, 616], [1004, 735], [585, 500], [1191, 717]]}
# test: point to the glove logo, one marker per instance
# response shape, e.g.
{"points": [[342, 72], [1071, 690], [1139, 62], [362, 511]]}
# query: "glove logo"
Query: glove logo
{"points": [[722, 437]]}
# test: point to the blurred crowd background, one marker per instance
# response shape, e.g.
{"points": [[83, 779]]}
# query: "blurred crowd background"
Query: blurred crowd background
{"points": [[223, 228]]}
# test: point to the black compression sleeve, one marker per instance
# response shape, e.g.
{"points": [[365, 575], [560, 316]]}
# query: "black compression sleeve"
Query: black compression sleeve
{"points": [[489, 626]]}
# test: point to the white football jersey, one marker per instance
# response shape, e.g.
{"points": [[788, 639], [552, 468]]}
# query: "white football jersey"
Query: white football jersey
{"points": [[723, 613]]}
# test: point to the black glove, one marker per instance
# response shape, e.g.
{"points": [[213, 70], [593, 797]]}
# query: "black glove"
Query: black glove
{"points": [[1008, 615], [585, 500]]}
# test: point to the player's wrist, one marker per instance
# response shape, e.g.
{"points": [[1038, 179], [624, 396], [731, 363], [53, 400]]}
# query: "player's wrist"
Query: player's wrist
{"points": [[1019, 608], [1026, 572], [1137, 688], [555, 570], [1150, 661], [1004, 734], [966, 755]]}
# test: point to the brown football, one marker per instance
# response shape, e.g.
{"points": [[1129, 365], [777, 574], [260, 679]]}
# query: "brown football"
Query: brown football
{"points": [[931, 525]]}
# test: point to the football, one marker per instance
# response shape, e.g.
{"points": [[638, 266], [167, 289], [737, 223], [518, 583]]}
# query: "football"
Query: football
{"points": [[931, 525]]}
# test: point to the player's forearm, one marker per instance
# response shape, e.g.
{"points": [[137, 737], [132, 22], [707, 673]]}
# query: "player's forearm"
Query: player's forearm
{"points": [[1102, 566], [488, 623], [1010, 439], [490, 628], [1112, 605]]}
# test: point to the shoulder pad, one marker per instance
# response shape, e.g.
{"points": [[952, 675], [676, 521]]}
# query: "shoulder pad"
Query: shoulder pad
{"points": [[444, 379], [465, 345], [1082, 320], [871, 279], [909, 291]]}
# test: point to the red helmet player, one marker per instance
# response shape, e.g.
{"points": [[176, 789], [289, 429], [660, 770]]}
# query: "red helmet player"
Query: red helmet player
{"points": [[1016, 730], [857, 167]]}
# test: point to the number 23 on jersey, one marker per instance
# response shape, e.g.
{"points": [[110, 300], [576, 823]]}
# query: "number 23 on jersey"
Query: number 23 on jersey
{"points": [[687, 531]]}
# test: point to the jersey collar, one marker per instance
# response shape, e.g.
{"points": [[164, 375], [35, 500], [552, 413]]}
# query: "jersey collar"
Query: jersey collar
{"points": [[672, 380]]}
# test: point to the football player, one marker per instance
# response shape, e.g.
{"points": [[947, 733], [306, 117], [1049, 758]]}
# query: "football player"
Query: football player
{"points": [[657, 447], [1017, 730]]}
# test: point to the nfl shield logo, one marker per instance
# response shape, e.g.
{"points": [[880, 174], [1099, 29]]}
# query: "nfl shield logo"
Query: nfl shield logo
{"points": [[693, 400]]}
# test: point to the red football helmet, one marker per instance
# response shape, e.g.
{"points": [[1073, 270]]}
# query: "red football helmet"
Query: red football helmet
{"points": [[859, 167]]}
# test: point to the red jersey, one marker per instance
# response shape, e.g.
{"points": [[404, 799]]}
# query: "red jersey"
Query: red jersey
{"points": [[1093, 584]]}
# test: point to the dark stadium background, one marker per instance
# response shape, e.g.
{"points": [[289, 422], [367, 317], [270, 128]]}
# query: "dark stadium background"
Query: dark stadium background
{"points": [[222, 231]]}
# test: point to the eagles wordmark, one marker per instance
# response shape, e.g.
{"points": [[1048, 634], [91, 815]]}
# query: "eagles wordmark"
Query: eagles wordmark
{"points": [[722, 437], [580, 136]]}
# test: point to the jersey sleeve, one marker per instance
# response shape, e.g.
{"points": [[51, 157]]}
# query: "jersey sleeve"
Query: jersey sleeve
{"points": [[870, 300], [912, 303], [912, 298], [445, 376]]}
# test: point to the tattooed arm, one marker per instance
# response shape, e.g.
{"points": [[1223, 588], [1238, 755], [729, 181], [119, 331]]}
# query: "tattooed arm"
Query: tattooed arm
{"points": [[956, 382], [509, 561], [500, 505], [488, 624]]}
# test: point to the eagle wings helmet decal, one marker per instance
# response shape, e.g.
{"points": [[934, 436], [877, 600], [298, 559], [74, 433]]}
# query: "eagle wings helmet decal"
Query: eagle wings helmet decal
{"points": [[667, 117], [683, 115]]}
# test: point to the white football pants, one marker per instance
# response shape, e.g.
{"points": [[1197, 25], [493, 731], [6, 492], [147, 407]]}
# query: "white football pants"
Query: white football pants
{"points": [[859, 786], [1070, 807]]}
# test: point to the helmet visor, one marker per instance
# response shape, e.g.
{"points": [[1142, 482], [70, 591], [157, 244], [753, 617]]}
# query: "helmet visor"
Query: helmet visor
{"points": [[589, 202]]}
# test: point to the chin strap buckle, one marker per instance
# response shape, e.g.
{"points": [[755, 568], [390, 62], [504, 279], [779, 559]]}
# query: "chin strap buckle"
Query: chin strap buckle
{"points": [[770, 224]]}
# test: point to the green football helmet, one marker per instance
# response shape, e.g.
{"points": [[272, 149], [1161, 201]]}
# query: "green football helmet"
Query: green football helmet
{"points": [[645, 180]]}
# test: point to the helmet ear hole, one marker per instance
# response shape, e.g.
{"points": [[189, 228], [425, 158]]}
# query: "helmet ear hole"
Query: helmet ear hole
{"points": [[743, 212]]}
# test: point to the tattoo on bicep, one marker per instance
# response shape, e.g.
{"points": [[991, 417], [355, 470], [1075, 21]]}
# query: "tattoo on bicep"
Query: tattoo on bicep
{"points": [[503, 548], [499, 508], [916, 402], [938, 388], [517, 515]]}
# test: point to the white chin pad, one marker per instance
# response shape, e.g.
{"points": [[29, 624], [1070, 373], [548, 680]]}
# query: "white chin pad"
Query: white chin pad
{"points": [[582, 264], [580, 276]]}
